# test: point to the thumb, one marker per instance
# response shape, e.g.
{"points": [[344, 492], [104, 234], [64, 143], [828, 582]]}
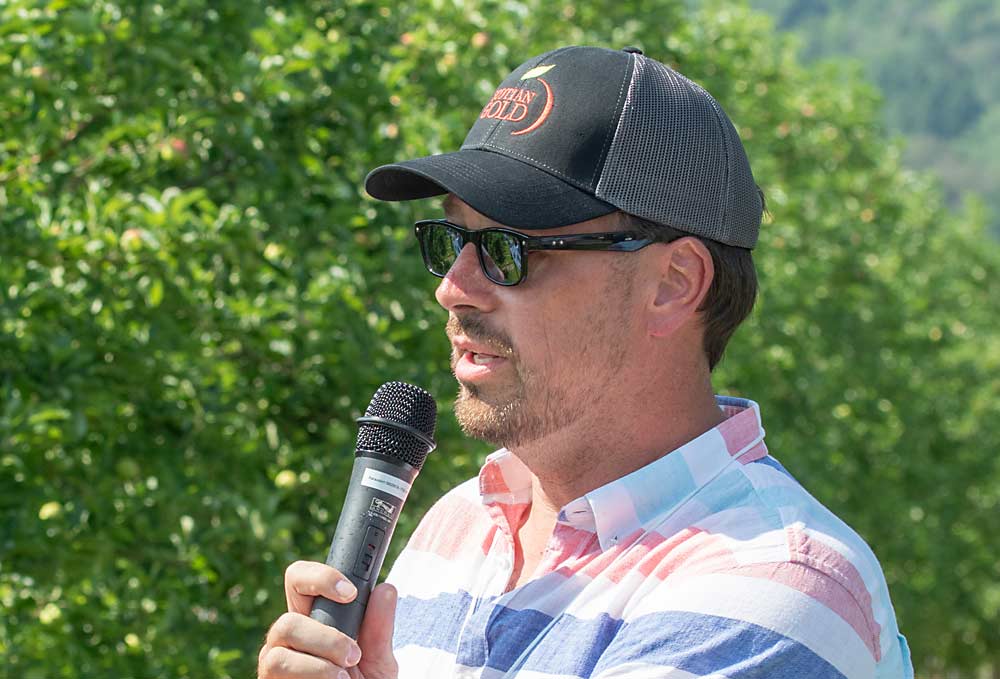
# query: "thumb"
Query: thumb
{"points": [[375, 635]]}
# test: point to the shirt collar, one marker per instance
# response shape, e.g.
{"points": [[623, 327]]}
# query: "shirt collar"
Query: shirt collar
{"points": [[644, 497]]}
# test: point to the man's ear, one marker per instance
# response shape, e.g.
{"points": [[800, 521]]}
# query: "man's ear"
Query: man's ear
{"points": [[686, 274]]}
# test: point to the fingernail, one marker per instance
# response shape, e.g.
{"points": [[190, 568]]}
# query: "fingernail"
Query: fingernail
{"points": [[346, 589], [343, 675], [353, 655]]}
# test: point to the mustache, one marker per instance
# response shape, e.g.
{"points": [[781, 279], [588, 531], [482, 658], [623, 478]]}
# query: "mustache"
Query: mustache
{"points": [[478, 330]]}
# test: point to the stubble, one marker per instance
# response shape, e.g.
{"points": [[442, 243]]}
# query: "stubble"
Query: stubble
{"points": [[535, 402]]}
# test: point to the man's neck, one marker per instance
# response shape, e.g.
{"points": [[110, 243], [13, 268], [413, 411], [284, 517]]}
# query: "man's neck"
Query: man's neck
{"points": [[563, 470], [654, 408], [589, 454]]}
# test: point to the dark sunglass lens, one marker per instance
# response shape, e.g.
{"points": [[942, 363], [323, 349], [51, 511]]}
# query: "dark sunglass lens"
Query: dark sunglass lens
{"points": [[441, 247], [502, 257]]}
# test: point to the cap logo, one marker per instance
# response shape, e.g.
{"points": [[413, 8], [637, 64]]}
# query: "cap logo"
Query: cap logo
{"points": [[511, 103]]}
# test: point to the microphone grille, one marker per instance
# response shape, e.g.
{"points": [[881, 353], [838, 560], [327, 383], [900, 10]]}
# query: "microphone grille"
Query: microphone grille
{"points": [[409, 406]]}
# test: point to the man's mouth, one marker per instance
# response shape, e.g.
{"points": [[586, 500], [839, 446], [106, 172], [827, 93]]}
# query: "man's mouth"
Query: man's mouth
{"points": [[482, 359], [473, 366], [478, 352]]}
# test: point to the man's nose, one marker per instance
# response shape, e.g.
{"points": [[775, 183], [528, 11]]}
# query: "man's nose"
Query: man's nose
{"points": [[465, 286]]}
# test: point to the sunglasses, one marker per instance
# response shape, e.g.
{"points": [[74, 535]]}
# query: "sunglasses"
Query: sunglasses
{"points": [[503, 253]]}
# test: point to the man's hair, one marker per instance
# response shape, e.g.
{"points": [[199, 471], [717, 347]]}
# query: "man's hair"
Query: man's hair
{"points": [[733, 291]]}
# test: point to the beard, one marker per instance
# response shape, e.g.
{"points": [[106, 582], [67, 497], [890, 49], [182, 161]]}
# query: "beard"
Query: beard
{"points": [[501, 413], [529, 404]]}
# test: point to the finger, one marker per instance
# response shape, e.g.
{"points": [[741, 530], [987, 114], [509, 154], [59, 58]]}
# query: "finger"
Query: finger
{"points": [[302, 633], [305, 580], [279, 662], [375, 635]]}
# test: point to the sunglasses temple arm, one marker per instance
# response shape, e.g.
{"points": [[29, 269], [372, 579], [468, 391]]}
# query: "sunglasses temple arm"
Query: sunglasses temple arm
{"points": [[612, 244]]}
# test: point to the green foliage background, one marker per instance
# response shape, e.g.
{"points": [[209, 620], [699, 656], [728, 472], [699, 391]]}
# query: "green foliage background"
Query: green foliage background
{"points": [[197, 298]]}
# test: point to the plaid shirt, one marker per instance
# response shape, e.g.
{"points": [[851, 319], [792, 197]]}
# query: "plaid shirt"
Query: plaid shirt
{"points": [[710, 561]]}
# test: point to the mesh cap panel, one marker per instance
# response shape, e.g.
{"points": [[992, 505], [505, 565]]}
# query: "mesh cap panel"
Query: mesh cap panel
{"points": [[676, 159]]}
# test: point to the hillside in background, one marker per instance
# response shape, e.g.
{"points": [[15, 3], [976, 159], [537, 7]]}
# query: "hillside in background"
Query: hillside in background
{"points": [[936, 65]]}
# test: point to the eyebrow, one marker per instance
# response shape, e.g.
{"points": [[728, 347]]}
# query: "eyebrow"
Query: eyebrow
{"points": [[448, 205]]}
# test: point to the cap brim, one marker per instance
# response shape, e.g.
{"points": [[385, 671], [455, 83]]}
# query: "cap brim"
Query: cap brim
{"points": [[504, 189]]}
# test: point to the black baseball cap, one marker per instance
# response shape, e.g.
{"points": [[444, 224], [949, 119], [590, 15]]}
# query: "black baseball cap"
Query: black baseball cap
{"points": [[581, 132]]}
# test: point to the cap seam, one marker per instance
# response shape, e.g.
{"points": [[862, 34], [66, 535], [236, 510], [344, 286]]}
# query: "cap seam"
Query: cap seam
{"points": [[618, 127], [613, 130], [723, 225], [535, 163]]}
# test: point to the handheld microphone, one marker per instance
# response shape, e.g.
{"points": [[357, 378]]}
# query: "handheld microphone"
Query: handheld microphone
{"points": [[394, 437]]}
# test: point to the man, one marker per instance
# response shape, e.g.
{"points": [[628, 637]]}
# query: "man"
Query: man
{"points": [[595, 259]]}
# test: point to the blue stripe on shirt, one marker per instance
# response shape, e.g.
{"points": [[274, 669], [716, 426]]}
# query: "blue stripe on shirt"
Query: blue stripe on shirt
{"points": [[708, 644], [573, 646], [496, 636], [772, 462], [431, 623]]}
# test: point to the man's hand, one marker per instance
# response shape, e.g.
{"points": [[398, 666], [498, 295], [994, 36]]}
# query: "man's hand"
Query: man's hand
{"points": [[299, 647]]}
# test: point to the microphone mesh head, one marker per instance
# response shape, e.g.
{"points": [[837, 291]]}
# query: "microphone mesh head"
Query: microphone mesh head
{"points": [[407, 405]]}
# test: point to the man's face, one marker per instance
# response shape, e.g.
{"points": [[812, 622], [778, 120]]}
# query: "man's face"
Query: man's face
{"points": [[546, 354]]}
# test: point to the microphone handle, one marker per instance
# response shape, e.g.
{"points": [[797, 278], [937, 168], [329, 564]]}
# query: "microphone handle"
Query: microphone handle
{"points": [[379, 486]]}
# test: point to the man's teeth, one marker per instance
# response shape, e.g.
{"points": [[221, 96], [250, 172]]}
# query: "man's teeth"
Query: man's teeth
{"points": [[481, 359]]}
